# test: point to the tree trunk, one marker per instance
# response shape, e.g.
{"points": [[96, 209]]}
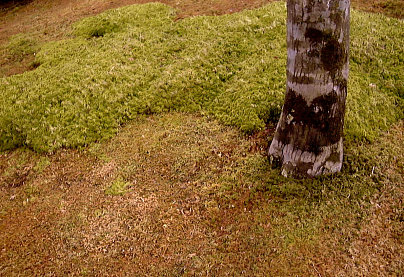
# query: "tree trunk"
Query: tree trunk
{"points": [[308, 137]]}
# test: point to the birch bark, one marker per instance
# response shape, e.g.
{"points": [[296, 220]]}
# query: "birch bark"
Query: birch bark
{"points": [[308, 138]]}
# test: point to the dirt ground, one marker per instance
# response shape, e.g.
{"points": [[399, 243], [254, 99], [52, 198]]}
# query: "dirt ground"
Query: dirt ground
{"points": [[151, 202], [62, 221]]}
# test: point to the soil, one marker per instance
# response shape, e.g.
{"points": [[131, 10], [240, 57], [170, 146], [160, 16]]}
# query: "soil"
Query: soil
{"points": [[63, 221]]}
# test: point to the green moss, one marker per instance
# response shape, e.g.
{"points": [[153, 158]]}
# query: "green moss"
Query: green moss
{"points": [[95, 27], [21, 45], [118, 187], [41, 164], [137, 60]]}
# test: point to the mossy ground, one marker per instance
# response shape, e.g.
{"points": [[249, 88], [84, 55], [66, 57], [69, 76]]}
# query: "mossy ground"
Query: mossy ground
{"points": [[138, 60], [176, 194], [179, 194]]}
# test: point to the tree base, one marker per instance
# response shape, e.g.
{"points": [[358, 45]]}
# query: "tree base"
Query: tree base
{"points": [[305, 164]]}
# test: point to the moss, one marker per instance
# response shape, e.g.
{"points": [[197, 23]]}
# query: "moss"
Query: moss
{"points": [[118, 187], [138, 60], [95, 27], [41, 164], [334, 157], [21, 45]]}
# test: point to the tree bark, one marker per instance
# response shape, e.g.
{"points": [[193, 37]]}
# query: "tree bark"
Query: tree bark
{"points": [[308, 138]]}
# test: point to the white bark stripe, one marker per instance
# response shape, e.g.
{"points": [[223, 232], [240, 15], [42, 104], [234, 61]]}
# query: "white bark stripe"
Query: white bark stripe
{"points": [[311, 91], [321, 165]]}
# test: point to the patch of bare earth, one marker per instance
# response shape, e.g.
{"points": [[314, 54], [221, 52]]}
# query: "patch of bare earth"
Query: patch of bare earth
{"points": [[379, 247], [393, 8], [177, 217], [61, 221]]}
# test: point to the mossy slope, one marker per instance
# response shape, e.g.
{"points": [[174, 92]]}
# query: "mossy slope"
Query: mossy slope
{"points": [[137, 60]]}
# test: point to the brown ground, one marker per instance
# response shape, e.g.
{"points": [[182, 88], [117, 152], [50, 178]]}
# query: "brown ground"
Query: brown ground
{"points": [[174, 217], [53, 17], [60, 220]]}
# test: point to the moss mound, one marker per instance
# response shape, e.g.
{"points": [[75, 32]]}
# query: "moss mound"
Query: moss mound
{"points": [[20, 45], [137, 60]]}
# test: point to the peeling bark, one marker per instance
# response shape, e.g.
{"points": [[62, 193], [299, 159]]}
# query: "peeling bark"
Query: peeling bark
{"points": [[308, 138]]}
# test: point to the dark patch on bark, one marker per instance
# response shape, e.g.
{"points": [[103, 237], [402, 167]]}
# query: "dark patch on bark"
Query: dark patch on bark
{"points": [[326, 46], [315, 36], [333, 56], [316, 114], [314, 53], [313, 126]]}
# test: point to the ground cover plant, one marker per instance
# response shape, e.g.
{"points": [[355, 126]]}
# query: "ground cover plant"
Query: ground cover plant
{"points": [[51, 20], [181, 194], [138, 60]]}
